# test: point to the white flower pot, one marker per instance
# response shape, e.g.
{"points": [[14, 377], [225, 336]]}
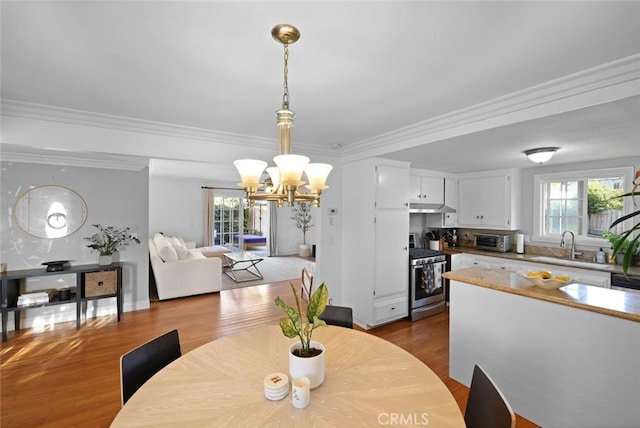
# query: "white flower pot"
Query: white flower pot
{"points": [[105, 260], [304, 250], [312, 367]]}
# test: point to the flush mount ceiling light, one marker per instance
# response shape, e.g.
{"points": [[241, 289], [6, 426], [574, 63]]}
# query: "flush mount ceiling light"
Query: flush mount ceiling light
{"points": [[541, 155], [285, 178]]}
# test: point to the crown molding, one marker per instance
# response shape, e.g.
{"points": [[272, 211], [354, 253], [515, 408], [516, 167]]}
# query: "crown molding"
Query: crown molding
{"points": [[609, 75], [603, 77], [49, 157], [57, 114]]}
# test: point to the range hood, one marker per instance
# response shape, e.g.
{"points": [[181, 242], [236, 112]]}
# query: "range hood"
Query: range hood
{"points": [[423, 208]]}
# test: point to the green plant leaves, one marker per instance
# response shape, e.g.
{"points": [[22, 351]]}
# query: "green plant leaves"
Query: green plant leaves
{"points": [[289, 328], [292, 324], [110, 239], [317, 303]]}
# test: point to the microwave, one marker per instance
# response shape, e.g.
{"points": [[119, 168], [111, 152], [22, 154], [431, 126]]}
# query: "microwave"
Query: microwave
{"points": [[497, 243]]}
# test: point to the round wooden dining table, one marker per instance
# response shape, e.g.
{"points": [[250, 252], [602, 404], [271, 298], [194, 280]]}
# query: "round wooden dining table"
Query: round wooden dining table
{"points": [[368, 382]]}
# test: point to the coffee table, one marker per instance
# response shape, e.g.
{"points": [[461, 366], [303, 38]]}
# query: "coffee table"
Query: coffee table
{"points": [[244, 261]]}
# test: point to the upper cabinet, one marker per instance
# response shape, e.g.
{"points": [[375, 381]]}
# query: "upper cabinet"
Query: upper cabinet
{"points": [[489, 200], [427, 190], [391, 185], [450, 200]]}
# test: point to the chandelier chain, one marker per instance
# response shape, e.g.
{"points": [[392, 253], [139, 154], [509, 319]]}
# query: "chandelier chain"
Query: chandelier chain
{"points": [[285, 96]]}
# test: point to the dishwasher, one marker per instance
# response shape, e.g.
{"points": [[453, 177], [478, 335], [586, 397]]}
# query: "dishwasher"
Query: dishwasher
{"points": [[625, 283]]}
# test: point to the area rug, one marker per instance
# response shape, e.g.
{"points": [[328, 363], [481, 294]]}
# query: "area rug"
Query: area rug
{"points": [[273, 269]]}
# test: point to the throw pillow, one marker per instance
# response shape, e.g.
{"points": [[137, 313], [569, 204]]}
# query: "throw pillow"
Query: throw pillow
{"points": [[194, 255], [167, 253], [179, 238], [159, 240], [178, 246]]}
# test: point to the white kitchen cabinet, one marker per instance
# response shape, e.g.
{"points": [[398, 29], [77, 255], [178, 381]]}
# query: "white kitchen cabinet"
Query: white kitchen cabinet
{"points": [[391, 185], [475, 260], [450, 200], [375, 244], [427, 190], [390, 309], [456, 262], [489, 200], [391, 253]]}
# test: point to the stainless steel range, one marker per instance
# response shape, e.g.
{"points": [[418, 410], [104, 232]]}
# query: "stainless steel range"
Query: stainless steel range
{"points": [[427, 296]]}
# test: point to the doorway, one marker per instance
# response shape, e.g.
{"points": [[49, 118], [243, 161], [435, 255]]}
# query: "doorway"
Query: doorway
{"points": [[239, 226]]}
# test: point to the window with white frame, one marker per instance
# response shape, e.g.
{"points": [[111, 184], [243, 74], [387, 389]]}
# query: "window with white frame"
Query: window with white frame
{"points": [[583, 202]]}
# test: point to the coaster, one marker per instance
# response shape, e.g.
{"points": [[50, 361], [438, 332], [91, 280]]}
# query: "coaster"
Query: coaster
{"points": [[276, 386]]}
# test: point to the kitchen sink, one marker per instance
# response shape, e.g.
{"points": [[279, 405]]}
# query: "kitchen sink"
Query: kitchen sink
{"points": [[570, 262]]}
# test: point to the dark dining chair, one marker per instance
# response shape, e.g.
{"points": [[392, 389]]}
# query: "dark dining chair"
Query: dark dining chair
{"points": [[338, 315], [333, 315], [138, 365], [486, 406]]}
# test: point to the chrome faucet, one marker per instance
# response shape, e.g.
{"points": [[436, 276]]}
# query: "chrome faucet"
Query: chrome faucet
{"points": [[574, 253]]}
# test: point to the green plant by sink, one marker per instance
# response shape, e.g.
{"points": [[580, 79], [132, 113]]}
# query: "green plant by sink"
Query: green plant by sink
{"points": [[621, 245], [628, 242]]}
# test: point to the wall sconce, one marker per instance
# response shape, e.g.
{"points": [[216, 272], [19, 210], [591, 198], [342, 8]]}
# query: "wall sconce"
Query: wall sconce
{"points": [[541, 155]]}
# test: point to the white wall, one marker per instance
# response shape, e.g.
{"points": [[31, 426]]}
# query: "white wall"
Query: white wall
{"points": [[113, 198], [328, 231], [176, 207]]}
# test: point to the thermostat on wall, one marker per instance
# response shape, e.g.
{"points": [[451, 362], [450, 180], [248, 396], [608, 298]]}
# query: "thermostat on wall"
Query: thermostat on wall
{"points": [[333, 211]]}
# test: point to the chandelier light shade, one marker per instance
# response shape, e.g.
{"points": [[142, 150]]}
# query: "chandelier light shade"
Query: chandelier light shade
{"points": [[285, 179], [541, 155], [291, 168], [317, 174], [250, 171]]}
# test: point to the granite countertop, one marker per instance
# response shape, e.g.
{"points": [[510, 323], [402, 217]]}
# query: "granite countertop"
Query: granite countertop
{"points": [[538, 257], [615, 303]]}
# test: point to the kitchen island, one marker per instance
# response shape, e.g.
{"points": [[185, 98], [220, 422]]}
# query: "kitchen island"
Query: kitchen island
{"points": [[563, 358]]}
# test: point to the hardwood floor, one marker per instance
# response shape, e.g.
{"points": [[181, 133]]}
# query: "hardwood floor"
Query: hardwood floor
{"points": [[64, 377]]}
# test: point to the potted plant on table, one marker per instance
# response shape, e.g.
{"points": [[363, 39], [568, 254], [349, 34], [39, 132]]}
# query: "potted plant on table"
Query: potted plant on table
{"points": [[306, 357], [302, 217], [108, 240]]}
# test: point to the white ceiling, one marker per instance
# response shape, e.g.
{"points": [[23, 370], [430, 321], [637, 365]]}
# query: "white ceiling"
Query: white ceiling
{"points": [[361, 71]]}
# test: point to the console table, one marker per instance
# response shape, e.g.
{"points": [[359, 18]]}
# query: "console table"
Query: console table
{"points": [[92, 282]]}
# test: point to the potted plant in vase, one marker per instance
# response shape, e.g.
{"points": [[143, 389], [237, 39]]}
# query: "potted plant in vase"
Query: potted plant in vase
{"points": [[302, 217], [306, 357], [108, 240]]}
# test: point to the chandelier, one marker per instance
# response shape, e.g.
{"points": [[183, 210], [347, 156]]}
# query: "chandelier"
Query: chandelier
{"points": [[285, 179]]}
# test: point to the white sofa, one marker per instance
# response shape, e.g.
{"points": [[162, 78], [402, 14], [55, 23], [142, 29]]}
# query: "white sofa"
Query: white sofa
{"points": [[180, 271]]}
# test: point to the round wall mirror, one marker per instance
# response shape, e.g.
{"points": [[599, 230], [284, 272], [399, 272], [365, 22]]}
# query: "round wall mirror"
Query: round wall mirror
{"points": [[50, 211]]}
